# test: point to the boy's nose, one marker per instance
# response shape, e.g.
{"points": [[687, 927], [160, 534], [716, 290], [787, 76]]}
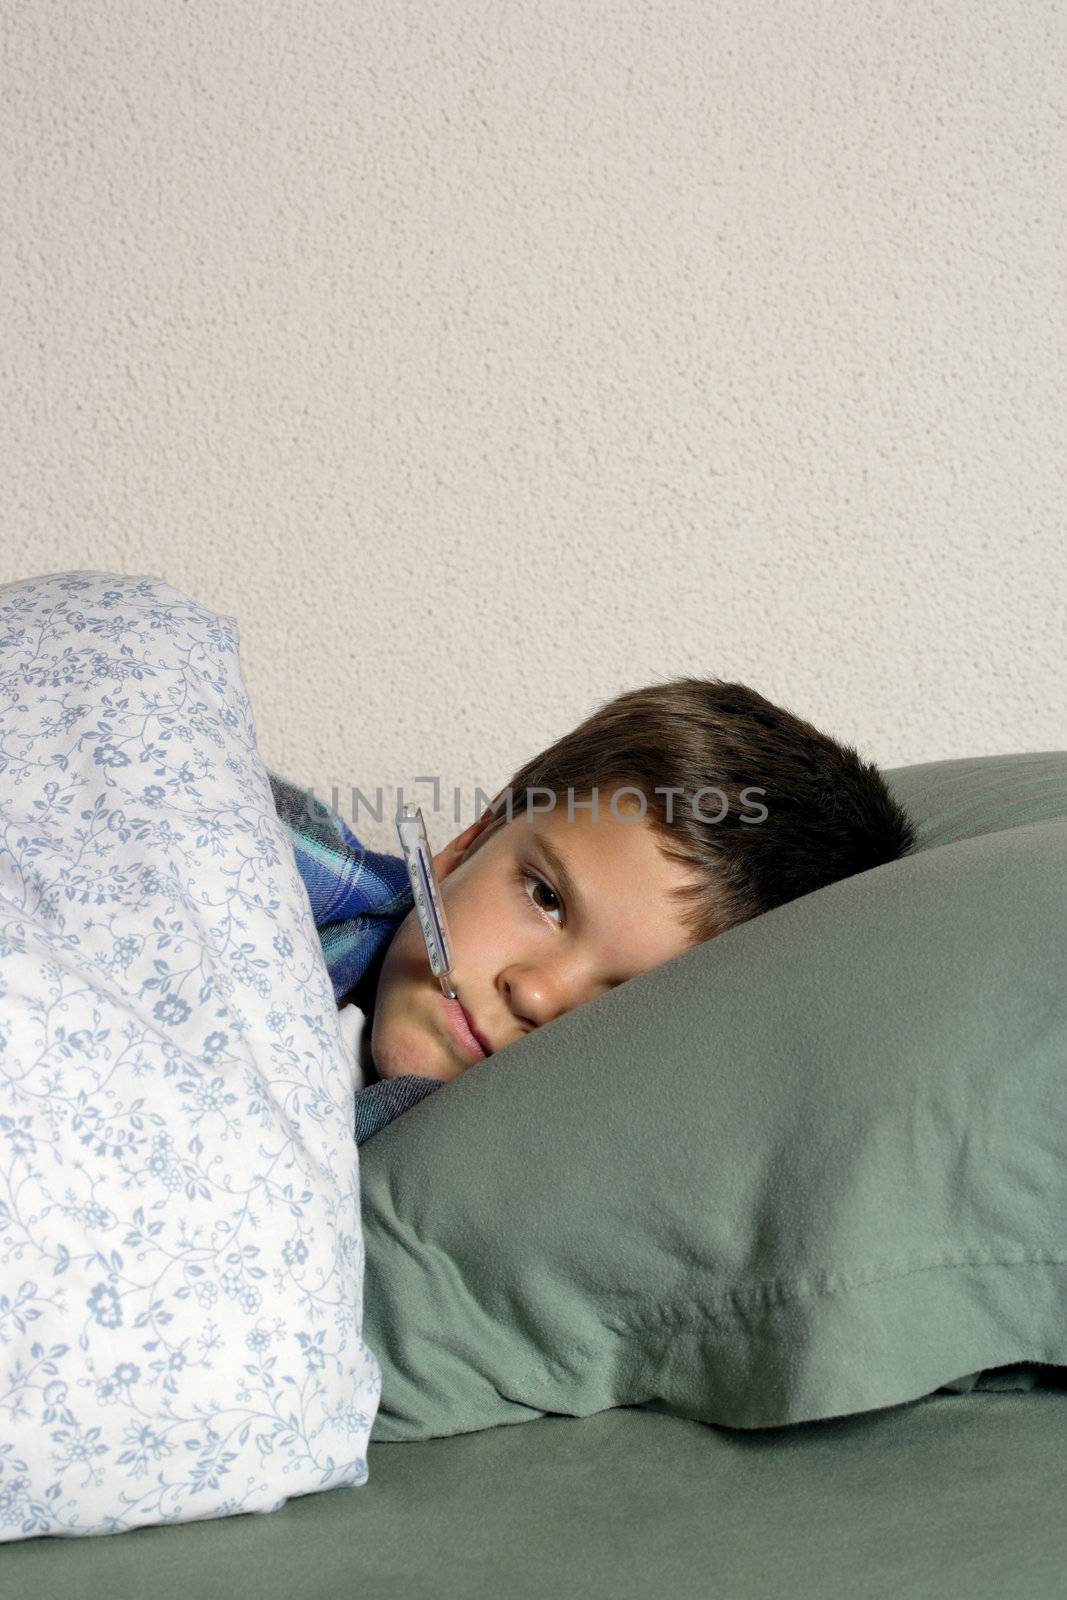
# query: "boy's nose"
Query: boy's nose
{"points": [[535, 996]]}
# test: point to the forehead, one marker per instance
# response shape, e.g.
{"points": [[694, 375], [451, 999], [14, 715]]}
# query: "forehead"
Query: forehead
{"points": [[618, 895]]}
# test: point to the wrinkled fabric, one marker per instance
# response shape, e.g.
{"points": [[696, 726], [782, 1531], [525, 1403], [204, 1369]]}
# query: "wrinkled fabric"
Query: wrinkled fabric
{"points": [[181, 1248]]}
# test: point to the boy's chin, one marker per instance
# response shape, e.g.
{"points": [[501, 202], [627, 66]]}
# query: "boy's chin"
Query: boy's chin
{"points": [[413, 1055]]}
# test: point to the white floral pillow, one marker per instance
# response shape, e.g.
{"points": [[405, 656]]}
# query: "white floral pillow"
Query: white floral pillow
{"points": [[181, 1255]]}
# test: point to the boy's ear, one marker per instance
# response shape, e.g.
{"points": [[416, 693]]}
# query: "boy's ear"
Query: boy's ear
{"points": [[448, 859]]}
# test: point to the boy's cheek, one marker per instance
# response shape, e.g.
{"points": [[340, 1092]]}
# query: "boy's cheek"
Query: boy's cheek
{"points": [[404, 1038], [406, 954]]}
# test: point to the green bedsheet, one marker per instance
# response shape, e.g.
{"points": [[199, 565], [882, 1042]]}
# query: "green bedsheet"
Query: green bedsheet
{"points": [[954, 1497]]}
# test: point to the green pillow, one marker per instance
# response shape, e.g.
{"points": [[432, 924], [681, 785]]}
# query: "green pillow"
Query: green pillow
{"points": [[813, 1167]]}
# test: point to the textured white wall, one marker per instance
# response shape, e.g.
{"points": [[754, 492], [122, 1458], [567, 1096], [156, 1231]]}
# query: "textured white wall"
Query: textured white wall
{"points": [[660, 336]]}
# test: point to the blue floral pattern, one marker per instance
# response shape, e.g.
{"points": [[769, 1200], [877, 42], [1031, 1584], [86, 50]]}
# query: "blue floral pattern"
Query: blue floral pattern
{"points": [[181, 1254]]}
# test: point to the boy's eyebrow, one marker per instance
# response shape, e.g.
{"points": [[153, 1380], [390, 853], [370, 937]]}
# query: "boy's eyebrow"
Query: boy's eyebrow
{"points": [[562, 871]]}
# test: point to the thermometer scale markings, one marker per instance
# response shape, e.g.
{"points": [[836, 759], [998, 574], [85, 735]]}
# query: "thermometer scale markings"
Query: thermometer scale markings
{"points": [[431, 901], [426, 895]]}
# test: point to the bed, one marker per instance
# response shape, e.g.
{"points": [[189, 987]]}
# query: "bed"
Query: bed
{"points": [[955, 1496], [768, 1297]]}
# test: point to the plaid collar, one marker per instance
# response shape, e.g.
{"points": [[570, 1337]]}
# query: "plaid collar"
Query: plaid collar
{"points": [[359, 897]]}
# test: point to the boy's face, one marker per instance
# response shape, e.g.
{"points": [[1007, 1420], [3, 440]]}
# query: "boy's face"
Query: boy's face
{"points": [[525, 951]]}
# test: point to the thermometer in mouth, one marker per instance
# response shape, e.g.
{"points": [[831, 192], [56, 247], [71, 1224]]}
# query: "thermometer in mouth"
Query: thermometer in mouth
{"points": [[427, 895]]}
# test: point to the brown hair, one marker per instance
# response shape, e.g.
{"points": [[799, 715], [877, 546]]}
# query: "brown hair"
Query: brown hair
{"points": [[828, 814]]}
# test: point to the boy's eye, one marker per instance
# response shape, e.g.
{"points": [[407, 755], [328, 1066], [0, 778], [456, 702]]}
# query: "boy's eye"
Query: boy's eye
{"points": [[526, 876]]}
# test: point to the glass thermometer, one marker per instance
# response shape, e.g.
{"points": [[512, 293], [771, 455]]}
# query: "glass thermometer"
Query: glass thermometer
{"points": [[427, 894]]}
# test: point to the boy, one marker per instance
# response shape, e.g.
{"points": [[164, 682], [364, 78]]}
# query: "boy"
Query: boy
{"points": [[712, 805]]}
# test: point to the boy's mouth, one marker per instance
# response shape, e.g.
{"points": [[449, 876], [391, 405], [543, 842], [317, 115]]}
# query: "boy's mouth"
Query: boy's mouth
{"points": [[463, 1029]]}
